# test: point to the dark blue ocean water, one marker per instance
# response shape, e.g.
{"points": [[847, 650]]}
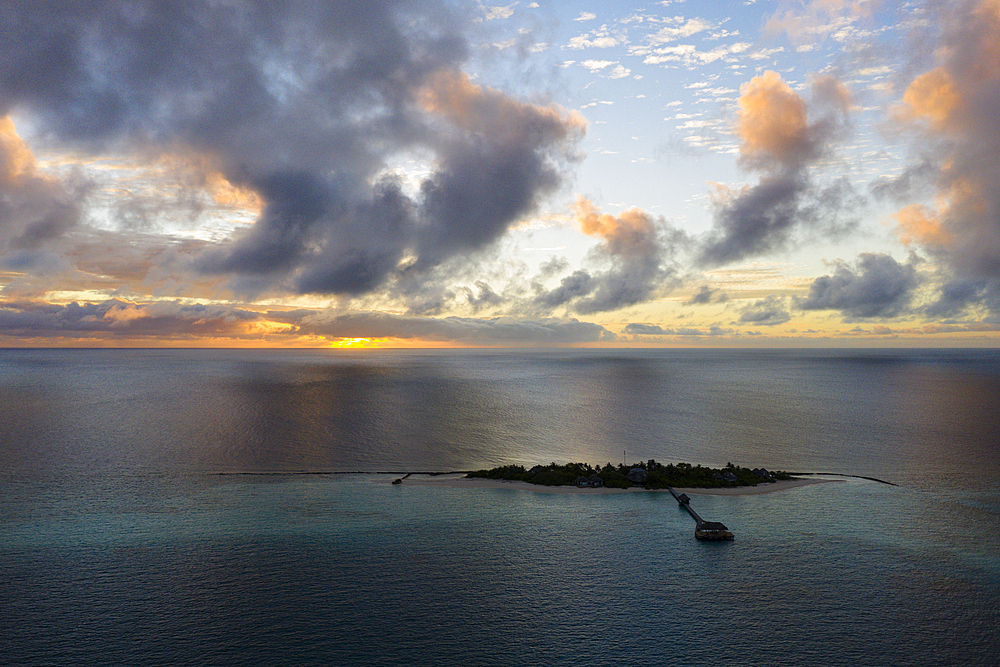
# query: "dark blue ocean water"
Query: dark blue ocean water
{"points": [[121, 541]]}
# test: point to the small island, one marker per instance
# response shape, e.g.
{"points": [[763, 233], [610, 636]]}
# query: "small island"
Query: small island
{"points": [[649, 475]]}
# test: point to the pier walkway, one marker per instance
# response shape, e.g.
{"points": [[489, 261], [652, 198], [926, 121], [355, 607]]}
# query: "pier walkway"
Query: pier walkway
{"points": [[703, 530]]}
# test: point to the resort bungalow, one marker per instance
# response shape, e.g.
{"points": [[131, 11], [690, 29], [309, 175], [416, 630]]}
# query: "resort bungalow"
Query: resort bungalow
{"points": [[637, 476], [712, 530], [593, 482]]}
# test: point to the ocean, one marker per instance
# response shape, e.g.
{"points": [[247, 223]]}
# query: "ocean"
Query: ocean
{"points": [[207, 507]]}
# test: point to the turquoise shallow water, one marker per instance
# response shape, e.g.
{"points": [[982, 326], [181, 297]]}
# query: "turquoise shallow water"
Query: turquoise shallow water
{"points": [[121, 543]]}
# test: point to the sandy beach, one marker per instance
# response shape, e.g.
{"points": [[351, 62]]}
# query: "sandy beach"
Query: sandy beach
{"points": [[461, 482]]}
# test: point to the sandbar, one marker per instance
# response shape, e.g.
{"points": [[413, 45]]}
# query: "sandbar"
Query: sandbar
{"points": [[460, 481]]}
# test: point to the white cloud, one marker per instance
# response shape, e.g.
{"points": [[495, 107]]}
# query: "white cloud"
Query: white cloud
{"points": [[765, 53], [671, 53], [586, 16], [490, 13], [620, 72], [679, 28], [875, 71], [598, 65], [719, 91], [689, 55], [584, 41]]}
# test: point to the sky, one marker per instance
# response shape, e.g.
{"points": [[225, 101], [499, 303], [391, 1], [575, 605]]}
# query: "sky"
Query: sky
{"points": [[381, 173]]}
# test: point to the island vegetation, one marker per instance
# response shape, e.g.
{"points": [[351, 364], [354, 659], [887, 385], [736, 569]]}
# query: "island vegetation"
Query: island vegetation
{"points": [[650, 475]]}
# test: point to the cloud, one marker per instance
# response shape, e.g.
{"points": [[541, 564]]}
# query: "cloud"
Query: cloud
{"points": [[773, 125], [633, 262], [634, 246], [678, 27], [914, 180], [778, 138], [705, 295], [118, 319], [304, 105], [689, 55], [877, 286], [498, 12], [578, 284], [35, 210], [493, 331], [820, 19], [598, 39], [644, 329], [620, 72], [638, 329], [957, 296], [765, 312], [598, 65], [916, 224], [951, 111]]}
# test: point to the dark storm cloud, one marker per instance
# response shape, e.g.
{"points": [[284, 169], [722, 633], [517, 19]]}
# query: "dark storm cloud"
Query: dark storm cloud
{"points": [[958, 295], [755, 220], [779, 139], [577, 284], [914, 179], [877, 286], [486, 298], [635, 254], [303, 103]]}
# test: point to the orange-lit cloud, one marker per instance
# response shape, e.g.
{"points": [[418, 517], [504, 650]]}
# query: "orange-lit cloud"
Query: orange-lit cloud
{"points": [[772, 122], [635, 260], [932, 96], [778, 139], [34, 209], [918, 224], [480, 109], [210, 178], [954, 106], [16, 159], [632, 232]]}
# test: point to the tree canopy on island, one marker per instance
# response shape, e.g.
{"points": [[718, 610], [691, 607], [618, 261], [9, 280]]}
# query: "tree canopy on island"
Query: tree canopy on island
{"points": [[660, 476]]}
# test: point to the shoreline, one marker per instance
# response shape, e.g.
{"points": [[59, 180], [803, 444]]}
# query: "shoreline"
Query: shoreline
{"points": [[462, 482]]}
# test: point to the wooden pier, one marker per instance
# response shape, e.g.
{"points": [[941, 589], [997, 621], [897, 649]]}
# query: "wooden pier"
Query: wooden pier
{"points": [[703, 530]]}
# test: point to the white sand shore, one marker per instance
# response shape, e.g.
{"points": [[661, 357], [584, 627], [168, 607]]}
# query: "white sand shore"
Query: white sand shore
{"points": [[462, 482]]}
